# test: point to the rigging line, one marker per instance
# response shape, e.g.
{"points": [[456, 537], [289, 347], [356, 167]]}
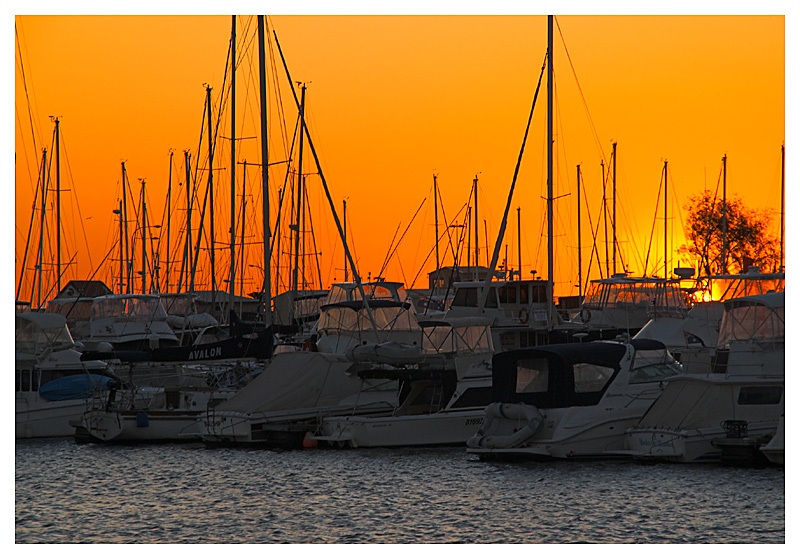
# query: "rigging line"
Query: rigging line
{"points": [[580, 90], [431, 251], [652, 230], [416, 213], [25, 87], [389, 252], [77, 204], [30, 231]]}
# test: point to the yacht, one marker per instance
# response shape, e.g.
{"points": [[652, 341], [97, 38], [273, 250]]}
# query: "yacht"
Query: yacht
{"points": [[441, 398], [52, 383], [742, 391], [570, 400], [299, 385]]}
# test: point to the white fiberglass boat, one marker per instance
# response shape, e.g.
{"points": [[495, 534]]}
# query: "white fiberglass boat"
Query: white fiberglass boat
{"points": [[52, 383], [744, 387], [440, 401], [570, 400]]}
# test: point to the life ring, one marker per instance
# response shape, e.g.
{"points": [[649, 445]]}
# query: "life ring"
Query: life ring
{"points": [[524, 315], [307, 346], [586, 316]]}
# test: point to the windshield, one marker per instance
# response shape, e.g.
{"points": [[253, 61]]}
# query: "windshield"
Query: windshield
{"points": [[128, 307], [33, 339]]}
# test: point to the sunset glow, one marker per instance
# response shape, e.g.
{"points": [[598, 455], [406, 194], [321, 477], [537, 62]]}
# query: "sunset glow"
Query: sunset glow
{"points": [[393, 101]]}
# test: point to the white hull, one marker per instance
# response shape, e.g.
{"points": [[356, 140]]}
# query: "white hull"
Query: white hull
{"points": [[685, 446], [141, 426], [37, 418], [443, 428]]}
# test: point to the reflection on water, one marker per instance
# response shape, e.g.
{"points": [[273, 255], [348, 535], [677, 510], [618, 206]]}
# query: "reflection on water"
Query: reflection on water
{"points": [[68, 493]]}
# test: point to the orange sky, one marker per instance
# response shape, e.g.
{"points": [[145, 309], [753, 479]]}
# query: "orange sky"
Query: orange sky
{"points": [[393, 100]]}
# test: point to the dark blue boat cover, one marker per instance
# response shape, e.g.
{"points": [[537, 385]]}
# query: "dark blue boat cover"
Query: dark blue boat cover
{"points": [[72, 387]]}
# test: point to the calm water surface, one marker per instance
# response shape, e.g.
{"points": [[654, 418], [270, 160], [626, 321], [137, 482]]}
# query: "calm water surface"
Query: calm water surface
{"points": [[68, 493]]}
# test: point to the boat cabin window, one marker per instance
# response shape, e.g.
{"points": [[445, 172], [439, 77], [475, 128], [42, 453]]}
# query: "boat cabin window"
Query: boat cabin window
{"points": [[474, 398], [446, 339], [128, 307], [589, 377], [32, 338], [347, 320], [468, 297], [760, 395], [508, 293], [749, 320], [653, 365], [532, 375], [72, 310]]}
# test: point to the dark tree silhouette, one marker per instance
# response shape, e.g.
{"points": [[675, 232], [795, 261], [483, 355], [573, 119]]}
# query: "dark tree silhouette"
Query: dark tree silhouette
{"points": [[749, 238]]}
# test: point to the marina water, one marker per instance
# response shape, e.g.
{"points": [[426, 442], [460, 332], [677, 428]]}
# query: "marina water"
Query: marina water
{"points": [[69, 493]]}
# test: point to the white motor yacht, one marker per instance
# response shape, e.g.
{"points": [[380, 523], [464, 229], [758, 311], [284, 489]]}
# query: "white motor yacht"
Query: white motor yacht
{"points": [[570, 400], [742, 391], [440, 399]]}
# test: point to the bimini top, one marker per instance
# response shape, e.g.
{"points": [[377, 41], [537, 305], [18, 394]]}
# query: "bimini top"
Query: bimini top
{"points": [[559, 375], [759, 318]]}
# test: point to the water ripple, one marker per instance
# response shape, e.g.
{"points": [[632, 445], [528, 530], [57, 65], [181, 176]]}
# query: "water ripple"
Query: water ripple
{"points": [[68, 493]]}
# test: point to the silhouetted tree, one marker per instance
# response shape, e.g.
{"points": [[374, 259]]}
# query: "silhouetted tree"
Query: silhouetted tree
{"points": [[749, 239]]}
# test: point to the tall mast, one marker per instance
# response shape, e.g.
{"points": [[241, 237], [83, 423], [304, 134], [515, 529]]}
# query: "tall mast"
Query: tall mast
{"points": [[605, 215], [169, 209], [40, 259], [614, 210], [121, 254], [550, 270], [232, 277], [262, 67], [144, 246], [580, 264], [666, 257], [58, 211], [128, 269], [475, 189], [519, 244], [299, 190], [436, 222], [783, 171], [344, 226], [241, 250], [724, 215], [187, 164], [211, 196]]}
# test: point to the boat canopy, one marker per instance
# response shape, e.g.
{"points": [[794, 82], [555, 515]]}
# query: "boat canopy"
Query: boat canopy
{"points": [[759, 318], [348, 317], [384, 290], [621, 291], [128, 307], [72, 308], [36, 332], [465, 335], [556, 376]]}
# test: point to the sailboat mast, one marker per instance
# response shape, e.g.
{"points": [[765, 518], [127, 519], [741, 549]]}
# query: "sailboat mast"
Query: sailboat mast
{"points": [[231, 279], [614, 210], [605, 215], [344, 225], [477, 251], [519, 244], [58, 210], [262, 67], [41, 229], [211, 196], [169, 210], [580, 264], [125, 219], [121, 253], [550, 270], [241, 245], [144, 246], [666, 238], [436, 222], [783, 172], [724, 215], [187, 158], [299, 191]]}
